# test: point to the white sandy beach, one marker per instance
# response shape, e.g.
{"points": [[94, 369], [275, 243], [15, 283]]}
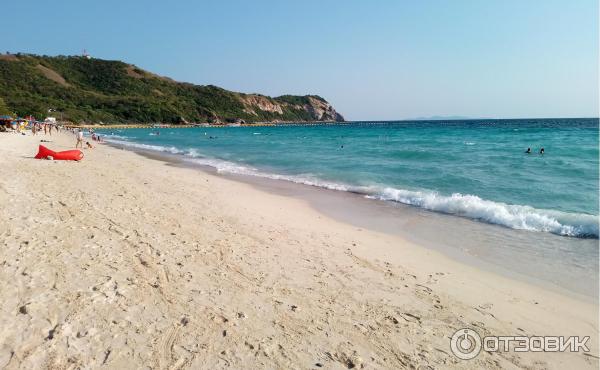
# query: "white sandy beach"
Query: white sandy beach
{"points": [[121, 261]]}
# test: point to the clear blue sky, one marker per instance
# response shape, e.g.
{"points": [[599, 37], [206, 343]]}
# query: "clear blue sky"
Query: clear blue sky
{"points": [[371, 59]]}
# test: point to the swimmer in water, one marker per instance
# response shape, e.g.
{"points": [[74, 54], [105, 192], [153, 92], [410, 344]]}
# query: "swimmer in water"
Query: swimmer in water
{"points": [[528, 151], [542, 151]]}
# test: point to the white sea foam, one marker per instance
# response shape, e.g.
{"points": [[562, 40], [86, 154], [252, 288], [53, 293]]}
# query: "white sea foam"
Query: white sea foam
{"points": [[513, 216], [113, 136], [192, 152], [471, 206], [236, 168], [158, 148]]}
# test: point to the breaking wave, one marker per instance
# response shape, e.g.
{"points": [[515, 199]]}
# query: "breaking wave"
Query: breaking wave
{"points": [[510, 215]]}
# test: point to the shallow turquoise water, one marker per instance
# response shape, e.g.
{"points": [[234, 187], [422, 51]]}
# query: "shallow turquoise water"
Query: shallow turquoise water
{"points": [[475, 169]]}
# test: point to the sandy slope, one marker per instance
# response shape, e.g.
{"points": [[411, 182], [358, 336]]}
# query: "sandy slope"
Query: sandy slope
{"points": [[128, 262]]}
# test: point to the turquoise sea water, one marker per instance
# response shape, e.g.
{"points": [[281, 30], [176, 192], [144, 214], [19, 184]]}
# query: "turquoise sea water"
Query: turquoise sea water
{"points": [[476, 169]]}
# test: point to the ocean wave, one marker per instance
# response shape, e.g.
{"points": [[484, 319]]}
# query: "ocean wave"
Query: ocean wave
{"points": [[192, 152], [113, 136], [239, 169], [514, 216], [519, 217], [157, 148]]}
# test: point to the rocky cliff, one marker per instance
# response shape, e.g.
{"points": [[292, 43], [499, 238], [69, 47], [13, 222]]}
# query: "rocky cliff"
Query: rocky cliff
{"points": [[317, 108]]}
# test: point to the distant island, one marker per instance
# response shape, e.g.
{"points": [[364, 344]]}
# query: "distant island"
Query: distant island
{"points": [[81, 90]]}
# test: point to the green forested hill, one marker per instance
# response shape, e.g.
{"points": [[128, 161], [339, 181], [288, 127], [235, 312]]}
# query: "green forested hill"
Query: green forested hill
{"points": [[95, 90]]}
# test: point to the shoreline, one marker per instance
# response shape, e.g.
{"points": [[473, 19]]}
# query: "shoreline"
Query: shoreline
{"points": [[516, 214], [128, 261], [417, 225]]}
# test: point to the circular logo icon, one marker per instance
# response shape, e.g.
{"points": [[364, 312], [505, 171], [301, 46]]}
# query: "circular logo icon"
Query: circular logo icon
{"points": [[465, 344]]}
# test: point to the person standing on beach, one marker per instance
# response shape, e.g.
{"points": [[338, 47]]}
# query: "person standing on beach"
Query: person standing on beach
{"points": [[79, 139]]}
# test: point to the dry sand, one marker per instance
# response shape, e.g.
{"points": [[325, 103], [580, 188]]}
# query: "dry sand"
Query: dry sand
{"points": [[121, 261]]}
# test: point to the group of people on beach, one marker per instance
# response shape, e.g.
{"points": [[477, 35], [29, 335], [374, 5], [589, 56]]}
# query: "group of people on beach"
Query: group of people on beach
{"points": [[19, 127], [79, 135], [47, 127]]}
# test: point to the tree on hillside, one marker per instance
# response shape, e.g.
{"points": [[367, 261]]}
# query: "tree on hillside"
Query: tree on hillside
{"points": [[3, 108]]}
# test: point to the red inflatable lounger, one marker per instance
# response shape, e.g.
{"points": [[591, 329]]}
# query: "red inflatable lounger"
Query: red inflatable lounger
{"points": [[67, 155]]}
